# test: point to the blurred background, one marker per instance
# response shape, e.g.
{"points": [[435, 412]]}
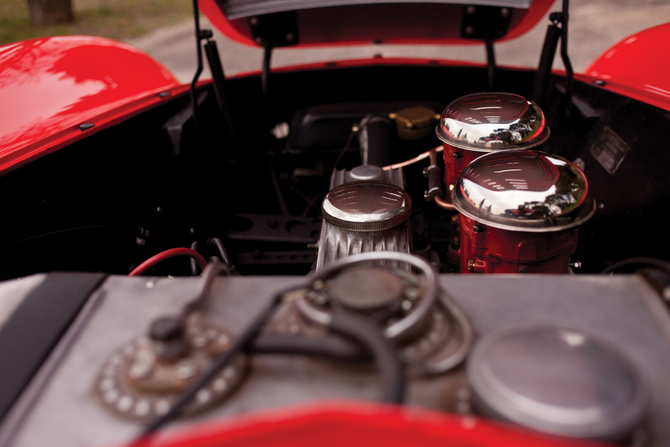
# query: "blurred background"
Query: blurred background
{"points": [[164, 29]]}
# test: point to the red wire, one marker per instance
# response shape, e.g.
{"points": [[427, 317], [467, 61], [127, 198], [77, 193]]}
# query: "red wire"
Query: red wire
{"points": [[169, 254]]}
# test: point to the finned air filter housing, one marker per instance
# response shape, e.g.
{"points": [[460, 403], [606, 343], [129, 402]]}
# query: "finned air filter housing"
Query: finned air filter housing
{"points": [[363, 216], [520, 212], [486, 122]]}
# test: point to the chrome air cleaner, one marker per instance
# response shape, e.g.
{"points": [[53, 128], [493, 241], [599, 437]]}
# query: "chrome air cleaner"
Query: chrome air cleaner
{"points": [[520, 212], [364, 216], [486, 122]]}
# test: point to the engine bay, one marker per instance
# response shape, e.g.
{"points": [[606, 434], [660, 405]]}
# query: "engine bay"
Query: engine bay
{"points": [[156, 181], [339, 174]]}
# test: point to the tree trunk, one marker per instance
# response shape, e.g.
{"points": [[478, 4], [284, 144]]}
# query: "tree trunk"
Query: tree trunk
{"points": [[45, 12]]}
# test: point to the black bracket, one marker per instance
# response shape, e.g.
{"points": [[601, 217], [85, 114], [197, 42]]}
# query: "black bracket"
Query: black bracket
{"points": [[275, 30], [485, 22]]}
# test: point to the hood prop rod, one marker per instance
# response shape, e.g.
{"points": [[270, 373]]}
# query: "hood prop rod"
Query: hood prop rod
{"points": [[218, 78], [219, 83], [554, 32], [199, 35]]}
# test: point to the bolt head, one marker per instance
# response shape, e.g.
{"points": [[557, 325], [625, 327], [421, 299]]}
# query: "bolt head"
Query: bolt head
{"points": [[469, 30]]}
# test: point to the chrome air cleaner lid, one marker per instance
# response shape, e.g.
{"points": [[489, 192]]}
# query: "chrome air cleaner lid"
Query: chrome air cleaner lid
{"points": [[486, 122], [523, 191], [366, 206], [558, 381]]}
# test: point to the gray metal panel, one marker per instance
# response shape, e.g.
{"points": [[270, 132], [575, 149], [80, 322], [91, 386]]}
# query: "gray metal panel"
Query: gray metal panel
{"points": [[622, 311], [14, 291]]}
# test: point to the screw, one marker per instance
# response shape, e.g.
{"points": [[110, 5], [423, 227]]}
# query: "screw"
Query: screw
{"points": [[577, 264], [186, 371], [599, 82], [471, 265], [140, 371], [253, 21], [470, 10], [412, 293], [455, 155], [478, 228], [290, 37], [199, 342], [159, 209], [164, 94], [504, 12], [140, 241], [469, 30]]}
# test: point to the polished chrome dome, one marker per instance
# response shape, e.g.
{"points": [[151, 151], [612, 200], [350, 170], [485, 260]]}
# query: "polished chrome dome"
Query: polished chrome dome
{"points": [[486, 122], [523, 191], [366, 206]]}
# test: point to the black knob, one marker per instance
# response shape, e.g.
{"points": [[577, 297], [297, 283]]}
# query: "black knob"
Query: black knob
{"points": [[166, 329]]}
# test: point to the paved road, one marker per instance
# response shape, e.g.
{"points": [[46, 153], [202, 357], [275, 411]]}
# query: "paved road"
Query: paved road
{"points": [[595, 26]]}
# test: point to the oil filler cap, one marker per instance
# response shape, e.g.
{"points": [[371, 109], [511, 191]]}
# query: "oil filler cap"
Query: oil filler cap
{"points": [[558, 381], [367, 206]]}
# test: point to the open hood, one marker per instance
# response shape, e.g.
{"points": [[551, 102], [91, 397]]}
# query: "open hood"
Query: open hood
{"points": [[322, 22]]}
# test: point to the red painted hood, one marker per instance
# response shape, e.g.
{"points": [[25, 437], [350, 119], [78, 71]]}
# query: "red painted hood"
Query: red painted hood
{"points": [[336, 22]]}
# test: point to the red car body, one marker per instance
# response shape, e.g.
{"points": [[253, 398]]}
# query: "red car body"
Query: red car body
{"points": [[57, 92]]}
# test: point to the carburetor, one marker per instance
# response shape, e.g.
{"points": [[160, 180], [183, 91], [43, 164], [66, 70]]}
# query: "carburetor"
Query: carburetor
{"points": [[476, 124], [520, 212]]}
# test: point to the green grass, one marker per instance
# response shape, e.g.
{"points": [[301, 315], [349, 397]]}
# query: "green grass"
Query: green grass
{"points": [[116, 19]]}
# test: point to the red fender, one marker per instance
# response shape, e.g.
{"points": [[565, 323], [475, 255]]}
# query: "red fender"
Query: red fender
{"points": [[50, 86], [638, 67], [359, 424]]}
